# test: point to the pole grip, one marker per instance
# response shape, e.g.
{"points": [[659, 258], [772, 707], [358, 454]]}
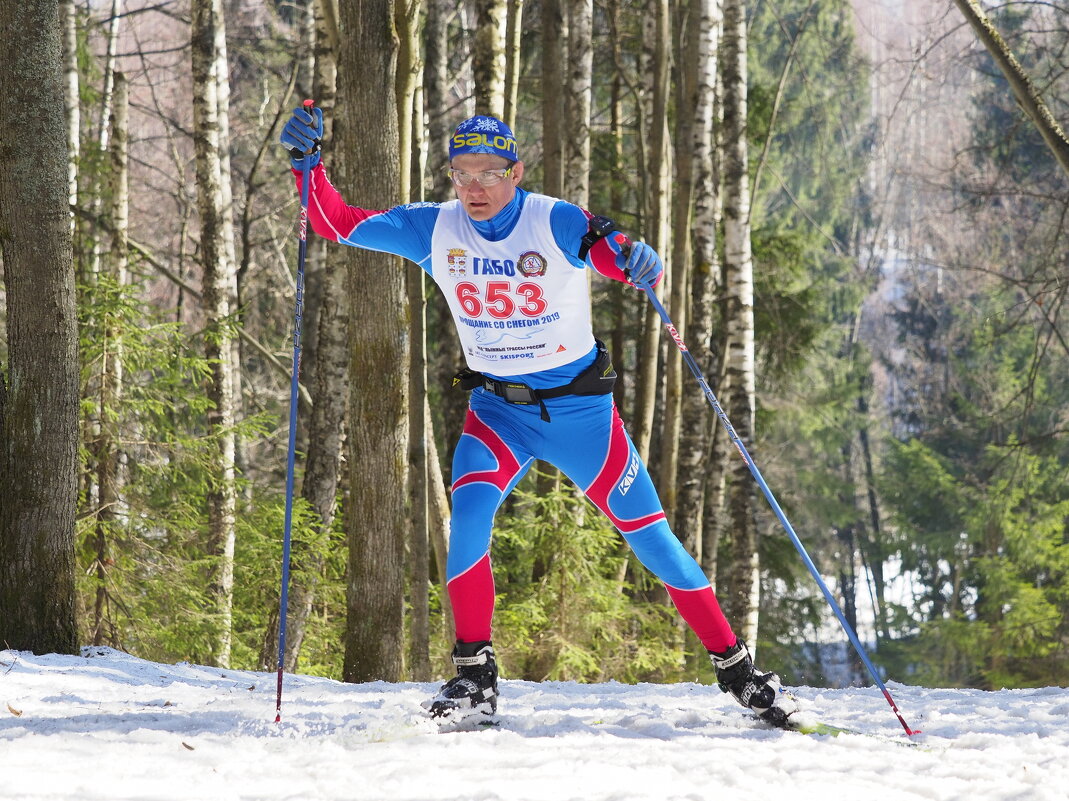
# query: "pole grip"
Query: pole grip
{"points": [[309, 105]]}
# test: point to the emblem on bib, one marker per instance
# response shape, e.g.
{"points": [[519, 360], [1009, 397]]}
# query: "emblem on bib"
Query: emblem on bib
{"points": [[457, 259], [531, 264]]}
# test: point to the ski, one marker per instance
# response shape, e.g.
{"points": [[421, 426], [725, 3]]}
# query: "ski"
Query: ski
{"points": [[819, 727], [813, 727]]}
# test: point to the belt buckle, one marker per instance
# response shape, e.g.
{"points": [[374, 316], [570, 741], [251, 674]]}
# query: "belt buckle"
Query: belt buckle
{"points": [[517, 393]]}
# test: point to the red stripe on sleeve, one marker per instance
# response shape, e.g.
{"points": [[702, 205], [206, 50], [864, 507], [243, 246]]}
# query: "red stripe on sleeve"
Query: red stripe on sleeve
{"points": [[331, 217]]}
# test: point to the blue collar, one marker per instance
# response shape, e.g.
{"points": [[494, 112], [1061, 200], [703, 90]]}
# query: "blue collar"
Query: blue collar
{"points": [[501, 224]]}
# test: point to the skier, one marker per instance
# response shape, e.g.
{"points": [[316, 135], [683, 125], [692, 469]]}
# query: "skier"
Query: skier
{"points": [[511, 264]]}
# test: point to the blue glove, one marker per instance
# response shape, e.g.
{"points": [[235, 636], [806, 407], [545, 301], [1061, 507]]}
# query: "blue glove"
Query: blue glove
{"points": [[641, 265], [302, 135]]}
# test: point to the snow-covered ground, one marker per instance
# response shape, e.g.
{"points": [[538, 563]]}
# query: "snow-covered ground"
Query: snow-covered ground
{"points": [[106, 725]]}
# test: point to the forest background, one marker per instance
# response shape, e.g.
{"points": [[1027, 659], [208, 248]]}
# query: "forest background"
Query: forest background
{"points": [[864, 235]]}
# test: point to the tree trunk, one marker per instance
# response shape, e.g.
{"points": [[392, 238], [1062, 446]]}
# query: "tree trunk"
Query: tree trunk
{"points": [[210, 76], [420, 435], [714, 525], [436, 90], [687, 87], [577, 102], [378, 441], [89, 272], [106, 100], [68, 13], [488, 57], [738, 262], [409, 73], [697, 418], [656, 228], [438, 509], [513, 56], [1026, 92], [554, 39], [874, 546], [108, 447], [39, 394]]}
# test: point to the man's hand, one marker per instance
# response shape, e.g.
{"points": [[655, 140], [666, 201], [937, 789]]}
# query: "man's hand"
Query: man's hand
{"points": [[302, 136], [641, 265]]}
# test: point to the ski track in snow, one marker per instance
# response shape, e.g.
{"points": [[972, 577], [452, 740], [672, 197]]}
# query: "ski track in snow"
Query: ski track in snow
{"points": [[106, 725]]}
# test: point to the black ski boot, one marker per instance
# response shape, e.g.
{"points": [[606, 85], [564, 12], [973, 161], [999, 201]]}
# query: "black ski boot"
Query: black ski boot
{"points": [[761, 692], [474, 688]]}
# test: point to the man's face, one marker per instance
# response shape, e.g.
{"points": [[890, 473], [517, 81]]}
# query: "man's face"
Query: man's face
{"points": [[483, 202]]}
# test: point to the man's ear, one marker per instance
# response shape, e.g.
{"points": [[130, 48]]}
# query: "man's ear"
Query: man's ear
{"points": [[517, 172]]}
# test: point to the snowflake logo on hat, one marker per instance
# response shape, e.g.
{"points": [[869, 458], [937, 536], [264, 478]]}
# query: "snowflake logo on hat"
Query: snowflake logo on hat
{"points": [[484, 134]]}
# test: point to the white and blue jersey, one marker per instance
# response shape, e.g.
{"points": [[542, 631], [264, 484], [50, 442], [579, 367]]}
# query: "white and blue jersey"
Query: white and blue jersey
{"points": [[518, 293], [519, 304]]}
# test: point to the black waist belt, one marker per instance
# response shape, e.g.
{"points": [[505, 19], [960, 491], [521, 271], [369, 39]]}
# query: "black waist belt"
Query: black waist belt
{"points": [[598, 379]]}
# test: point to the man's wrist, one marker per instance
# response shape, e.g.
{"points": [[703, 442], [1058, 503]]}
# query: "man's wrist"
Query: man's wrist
{"points": [[312, 159]]}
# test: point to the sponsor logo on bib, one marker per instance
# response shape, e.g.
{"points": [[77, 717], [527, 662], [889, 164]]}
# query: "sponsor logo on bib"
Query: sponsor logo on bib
{"points": [[531, 264]]}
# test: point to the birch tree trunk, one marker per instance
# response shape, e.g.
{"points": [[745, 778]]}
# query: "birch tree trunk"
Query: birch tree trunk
{"points": [[488, 57], [68, 14], [91, 269], [744, 573], [577, 99], [656, 226], [697, 419], [108, 447], [210, 75], [378, 442], [682, 205], [106, 99], [39, 392], [409, 70], [234, 301]]}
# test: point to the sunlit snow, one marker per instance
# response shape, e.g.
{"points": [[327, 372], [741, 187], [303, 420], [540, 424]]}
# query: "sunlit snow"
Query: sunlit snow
{"points": [[106, 725]]}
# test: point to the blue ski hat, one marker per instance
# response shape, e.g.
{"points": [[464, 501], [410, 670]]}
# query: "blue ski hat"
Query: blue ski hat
{"points": [[483, 134]]}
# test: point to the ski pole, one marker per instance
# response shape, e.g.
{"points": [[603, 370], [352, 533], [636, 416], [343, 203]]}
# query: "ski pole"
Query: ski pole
{"points": [[302, 247], [738, 443]]}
